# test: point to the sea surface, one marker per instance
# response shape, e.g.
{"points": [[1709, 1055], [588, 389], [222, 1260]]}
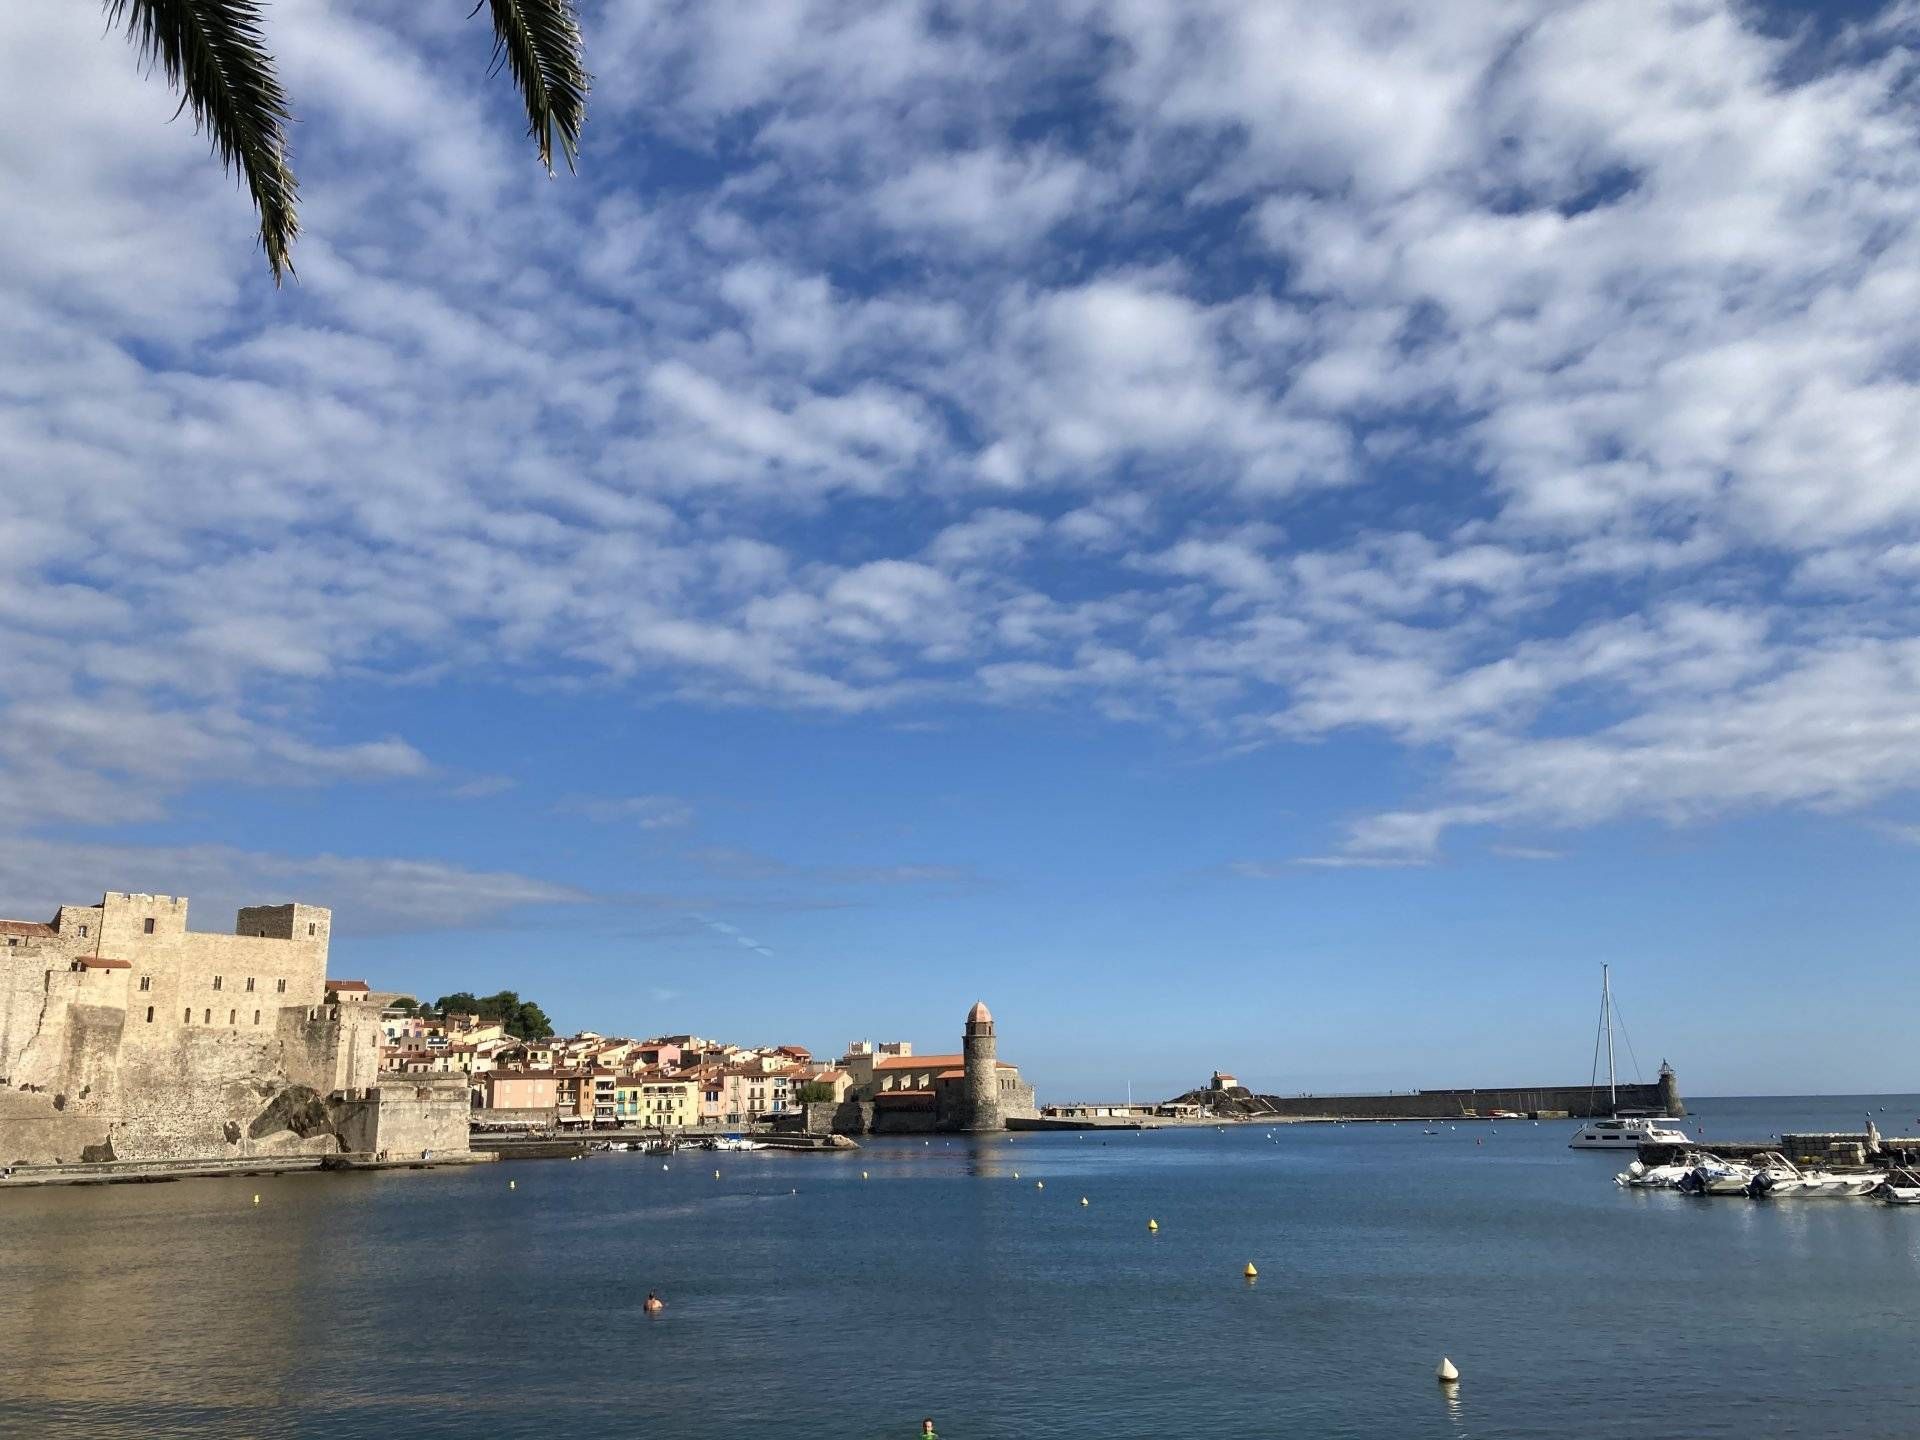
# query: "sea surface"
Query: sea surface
{"points": [[849, 1295]]}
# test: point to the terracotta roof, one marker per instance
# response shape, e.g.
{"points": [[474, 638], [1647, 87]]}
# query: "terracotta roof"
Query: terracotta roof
{"points": [[951, 1075], [826, 1075], [26, 927], [919, 1062], [100, 962], [346, 984]]}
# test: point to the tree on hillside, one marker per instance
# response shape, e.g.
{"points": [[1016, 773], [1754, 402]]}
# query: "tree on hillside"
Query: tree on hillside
{"points": [[213, 53], [405, 1004], [522, 1018]]}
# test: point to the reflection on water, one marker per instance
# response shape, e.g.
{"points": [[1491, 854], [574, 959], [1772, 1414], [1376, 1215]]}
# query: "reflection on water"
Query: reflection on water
{"points": [[160, 1299], [806, 1301]]}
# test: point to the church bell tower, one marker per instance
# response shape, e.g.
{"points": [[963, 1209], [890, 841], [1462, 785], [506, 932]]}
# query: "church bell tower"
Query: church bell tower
{"points": [[983, 1072]]}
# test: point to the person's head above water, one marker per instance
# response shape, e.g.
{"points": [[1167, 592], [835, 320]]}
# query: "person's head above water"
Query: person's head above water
{"points": [[926, 1426]]}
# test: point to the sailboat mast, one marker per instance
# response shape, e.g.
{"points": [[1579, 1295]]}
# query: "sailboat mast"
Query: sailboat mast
{"points": [[1606, 1014]]}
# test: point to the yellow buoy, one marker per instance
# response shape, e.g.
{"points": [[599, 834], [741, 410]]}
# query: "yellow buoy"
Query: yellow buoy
{"points": [[1016, 1174], [1250, 1272], [1083, 1199], [512, 1184], [863, 1174], [256, 1199], [1446, 1374], [716, 1174], [1039, 1184], [1153, 1225]]}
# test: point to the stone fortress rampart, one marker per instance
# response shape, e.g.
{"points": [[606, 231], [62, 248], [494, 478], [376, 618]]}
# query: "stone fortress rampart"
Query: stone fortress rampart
{"points": [[126, 1035]]}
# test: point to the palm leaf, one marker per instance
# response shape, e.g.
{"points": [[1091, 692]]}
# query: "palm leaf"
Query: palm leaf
{"points": [[539, 42], [211, 52]]}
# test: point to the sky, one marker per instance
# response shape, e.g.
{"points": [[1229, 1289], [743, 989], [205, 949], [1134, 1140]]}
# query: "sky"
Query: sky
{"points": [[1262, 537]]}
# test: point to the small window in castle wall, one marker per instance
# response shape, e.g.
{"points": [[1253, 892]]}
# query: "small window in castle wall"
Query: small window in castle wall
{"points": [[216, 982], [149, 1014], [249, 982], [280, 987], [83, 932], [313, 929], [256, 1017], [146, 982], [207, 1017], [233, 1017], [149, 925], [187, 1019]]}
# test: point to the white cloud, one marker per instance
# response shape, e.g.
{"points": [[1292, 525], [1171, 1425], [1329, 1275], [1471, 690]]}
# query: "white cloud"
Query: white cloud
{"points": [[646, 812], [368, 895], [1522, 387]]}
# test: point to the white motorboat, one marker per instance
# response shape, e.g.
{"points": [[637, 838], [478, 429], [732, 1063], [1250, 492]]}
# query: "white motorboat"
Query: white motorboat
{"points": [[1901, 1187], [1714, 1176], [1778, 1178], [1620, 1131], [731, 1142], [1653, 1177]]}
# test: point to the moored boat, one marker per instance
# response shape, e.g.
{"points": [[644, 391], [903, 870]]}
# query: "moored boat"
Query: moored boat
{"points": [[1621, 1130], [1638, 1176], [1626, 1132]]}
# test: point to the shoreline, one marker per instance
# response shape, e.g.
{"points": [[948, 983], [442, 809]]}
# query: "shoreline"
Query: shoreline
{"points": [[157, 1172]]}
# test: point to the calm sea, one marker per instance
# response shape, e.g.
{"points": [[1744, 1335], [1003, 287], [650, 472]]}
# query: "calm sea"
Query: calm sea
{"points": [[807, 1301]]}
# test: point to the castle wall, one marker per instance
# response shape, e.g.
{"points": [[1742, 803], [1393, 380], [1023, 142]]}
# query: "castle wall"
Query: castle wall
{"points": [[181, 1052], [407, 1117]]}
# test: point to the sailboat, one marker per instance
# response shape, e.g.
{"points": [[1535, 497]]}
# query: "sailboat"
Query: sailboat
{"points": [[1617, 1131]]}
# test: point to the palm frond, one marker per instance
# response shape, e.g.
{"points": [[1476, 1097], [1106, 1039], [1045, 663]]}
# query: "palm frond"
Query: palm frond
{"points": [[539, 42], [211, 52]]}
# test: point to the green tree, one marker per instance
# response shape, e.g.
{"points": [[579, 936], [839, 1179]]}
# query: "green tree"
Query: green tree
{"points": [[213, 52], [530, 1022], [405, 1004], [461, 1002], [813, 1092]]}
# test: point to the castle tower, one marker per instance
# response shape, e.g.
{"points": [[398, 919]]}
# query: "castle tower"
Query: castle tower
{"points": [[983, 1072]]}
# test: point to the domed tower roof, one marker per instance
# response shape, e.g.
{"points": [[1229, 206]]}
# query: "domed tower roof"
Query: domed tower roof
{"points": [[979, 1015]]}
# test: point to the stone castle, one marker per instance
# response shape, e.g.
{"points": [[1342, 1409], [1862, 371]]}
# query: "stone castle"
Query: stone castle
{"points": [[126, 1036]]}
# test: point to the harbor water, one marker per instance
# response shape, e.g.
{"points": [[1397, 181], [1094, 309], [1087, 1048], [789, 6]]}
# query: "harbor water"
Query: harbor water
{"points": [[804, 1300]]}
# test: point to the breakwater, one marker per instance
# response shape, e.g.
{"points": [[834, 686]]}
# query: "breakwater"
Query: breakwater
{"points": [[1578, 1101]]}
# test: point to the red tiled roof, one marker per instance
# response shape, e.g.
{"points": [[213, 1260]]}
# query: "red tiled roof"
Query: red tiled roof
{"points": [[951, 1075], [26, 927], [931, 1062], [101, 962], [346, 984]]}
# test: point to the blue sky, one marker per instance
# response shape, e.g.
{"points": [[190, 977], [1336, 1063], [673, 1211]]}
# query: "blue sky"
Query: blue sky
{"points": [[1242, 536]]}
